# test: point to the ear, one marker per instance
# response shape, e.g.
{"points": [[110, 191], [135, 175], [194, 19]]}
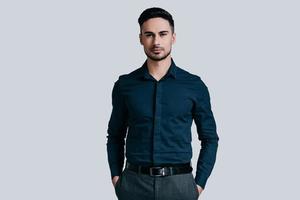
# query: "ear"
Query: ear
{"points": [[174, 38], [141, 41]]}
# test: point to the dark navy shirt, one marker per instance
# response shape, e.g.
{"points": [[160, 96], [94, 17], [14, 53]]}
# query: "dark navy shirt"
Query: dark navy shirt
{"points": [[153, 118]]}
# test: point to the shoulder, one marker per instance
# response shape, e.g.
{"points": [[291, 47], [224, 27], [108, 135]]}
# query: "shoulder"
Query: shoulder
{"points": [[183, 74], [131, 75], [124, 80]]}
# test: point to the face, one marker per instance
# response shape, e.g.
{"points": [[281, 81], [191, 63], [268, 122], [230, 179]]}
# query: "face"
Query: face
{"points": [[157, 38]]}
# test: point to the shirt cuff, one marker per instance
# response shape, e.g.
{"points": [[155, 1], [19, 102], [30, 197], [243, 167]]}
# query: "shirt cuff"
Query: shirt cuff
{"points": [[200, 180], [115, 171]]}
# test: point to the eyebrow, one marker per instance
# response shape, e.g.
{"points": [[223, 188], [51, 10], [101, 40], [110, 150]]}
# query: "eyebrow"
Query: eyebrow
{"points": [[149, 32]]}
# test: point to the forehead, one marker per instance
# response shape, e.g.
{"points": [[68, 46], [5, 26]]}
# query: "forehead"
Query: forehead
{"points": [[156, 24]]}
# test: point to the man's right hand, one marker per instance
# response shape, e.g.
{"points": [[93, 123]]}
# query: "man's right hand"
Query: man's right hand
{"points": [[114, 180]]}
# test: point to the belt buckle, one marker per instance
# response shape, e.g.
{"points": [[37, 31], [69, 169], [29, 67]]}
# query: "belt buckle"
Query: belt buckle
{"points": [[160, 168]]}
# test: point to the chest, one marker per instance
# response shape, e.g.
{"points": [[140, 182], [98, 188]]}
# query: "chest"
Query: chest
{"points": [[147, 99]]}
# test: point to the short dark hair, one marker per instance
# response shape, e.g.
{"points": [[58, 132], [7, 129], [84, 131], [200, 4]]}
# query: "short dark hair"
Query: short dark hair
{"points": [[156, 12]]}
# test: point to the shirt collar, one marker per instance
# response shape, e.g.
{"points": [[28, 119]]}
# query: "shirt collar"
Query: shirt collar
{"points": [[171, 71]]}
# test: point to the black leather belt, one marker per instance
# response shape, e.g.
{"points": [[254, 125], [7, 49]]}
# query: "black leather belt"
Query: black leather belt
{"points": [[167, 170]]}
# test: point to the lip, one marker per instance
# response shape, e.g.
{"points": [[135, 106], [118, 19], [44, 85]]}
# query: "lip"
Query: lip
{"points": [[156, 50]]}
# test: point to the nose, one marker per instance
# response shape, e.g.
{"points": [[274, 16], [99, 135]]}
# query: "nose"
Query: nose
{"points": [[156, 40]]}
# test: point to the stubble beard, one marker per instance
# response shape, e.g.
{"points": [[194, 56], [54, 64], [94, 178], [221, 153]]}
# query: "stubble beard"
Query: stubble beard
{"points": [[157, 58]]}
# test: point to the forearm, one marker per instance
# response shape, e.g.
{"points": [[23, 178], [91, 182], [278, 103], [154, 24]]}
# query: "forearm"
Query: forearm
{"points": [[115, 154], [206, 161]]}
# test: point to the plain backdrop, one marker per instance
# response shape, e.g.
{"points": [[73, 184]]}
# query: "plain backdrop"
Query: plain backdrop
{"points": [[59, 60]]}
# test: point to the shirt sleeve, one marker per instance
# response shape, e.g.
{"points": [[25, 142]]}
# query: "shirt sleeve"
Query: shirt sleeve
{"points": [[116, 132], [207, 134]]}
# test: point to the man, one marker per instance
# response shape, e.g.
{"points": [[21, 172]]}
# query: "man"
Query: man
{"points": [[153, 109]]}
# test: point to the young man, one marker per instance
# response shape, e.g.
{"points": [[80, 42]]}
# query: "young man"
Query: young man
{"points": [[153, 108]]}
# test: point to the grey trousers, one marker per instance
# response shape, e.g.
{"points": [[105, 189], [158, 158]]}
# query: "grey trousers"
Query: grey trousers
{"points": [[134, 186]]}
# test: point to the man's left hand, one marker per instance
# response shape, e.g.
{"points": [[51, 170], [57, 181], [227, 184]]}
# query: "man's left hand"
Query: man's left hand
{"points": [[200, 189]]}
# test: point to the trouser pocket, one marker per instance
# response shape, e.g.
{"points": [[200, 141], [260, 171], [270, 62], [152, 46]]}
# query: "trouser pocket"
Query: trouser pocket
{"points": [[195, 186], [118, 184]]}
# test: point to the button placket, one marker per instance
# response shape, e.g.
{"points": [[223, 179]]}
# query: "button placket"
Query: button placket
{"points": [[157, 119]]}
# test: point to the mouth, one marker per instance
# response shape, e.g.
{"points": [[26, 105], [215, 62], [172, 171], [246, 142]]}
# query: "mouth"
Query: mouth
{"points": [[156, 50]]}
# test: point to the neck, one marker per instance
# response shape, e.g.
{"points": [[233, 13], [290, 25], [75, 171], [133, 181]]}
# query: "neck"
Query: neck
{"points": [[159, 68]]}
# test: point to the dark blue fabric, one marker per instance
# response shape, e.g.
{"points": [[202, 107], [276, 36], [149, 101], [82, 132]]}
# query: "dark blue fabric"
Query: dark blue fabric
{"points": [[153, 118]]}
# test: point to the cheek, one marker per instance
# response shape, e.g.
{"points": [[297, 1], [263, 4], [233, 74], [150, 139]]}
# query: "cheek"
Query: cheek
{"points": [[169, 43], [147, 44], [168, 46]]}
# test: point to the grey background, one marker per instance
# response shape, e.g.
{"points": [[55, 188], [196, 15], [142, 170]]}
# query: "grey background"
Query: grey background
{"points": [[59, 60]]}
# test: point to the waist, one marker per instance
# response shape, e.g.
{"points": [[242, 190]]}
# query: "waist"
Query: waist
{"points": [[182, 164], [165, 169], [159, 159]]}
